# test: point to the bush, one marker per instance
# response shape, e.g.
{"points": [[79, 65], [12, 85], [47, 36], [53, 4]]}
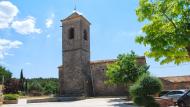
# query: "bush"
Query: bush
{"points": [[35, 89], [11, 86], [143, 90], [43, 86], [151, 85], [11, 97], [35, 86]]}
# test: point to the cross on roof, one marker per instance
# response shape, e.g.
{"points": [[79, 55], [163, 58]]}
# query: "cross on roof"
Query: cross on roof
{"points": [[75, 8]]}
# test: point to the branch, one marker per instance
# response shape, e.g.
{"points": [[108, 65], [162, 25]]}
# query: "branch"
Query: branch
{"points": [[169, 19], [164, 13]]}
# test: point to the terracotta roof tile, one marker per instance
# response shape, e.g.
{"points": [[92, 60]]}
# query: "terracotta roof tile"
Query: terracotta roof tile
{"points": [[113, 60], [177, 79]]}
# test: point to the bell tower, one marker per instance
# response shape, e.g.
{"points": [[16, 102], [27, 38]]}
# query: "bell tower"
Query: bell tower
{"points": [[74, 74]]}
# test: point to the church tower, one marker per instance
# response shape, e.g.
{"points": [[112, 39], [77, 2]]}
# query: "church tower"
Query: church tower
{"points": [[75, 74]]}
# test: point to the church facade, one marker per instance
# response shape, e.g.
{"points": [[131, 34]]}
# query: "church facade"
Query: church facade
{"points": [[78, 76]]}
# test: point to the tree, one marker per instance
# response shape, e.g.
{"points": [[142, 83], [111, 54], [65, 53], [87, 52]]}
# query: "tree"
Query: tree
{"points": [[143, 90], [11, 86], [125, 70], [21, 81], [4, 74], [41, 86], [35, 88], [167, 31]]}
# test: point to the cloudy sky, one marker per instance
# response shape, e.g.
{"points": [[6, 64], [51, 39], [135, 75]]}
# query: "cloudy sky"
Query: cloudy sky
{"points": [[30, 34]]}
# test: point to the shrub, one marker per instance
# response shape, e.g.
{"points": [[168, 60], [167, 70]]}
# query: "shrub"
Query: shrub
{"points": [[138, 100], [151, 85], [42, 86], [35, 89], [11, 97], [144, 88], [35, 86], [11, 86]]}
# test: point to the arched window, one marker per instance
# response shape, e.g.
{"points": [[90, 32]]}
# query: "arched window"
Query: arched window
{"points": [[85, 35], [71, 33]]}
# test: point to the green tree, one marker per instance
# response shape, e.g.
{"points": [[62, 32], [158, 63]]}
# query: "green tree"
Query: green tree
{"points": [[125, 70], [44, 86], [21, 81], [167, 31], [35, 88], [143, 90], [4, 74]]}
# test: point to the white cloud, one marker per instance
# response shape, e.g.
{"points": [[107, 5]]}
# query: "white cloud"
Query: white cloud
{"points": [[6, 45], [49, 21], [7, 13], [26, 26]]}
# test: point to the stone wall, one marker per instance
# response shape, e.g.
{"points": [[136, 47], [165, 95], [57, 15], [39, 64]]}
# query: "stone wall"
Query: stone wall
{"points": [[98, 71], [167, 85], [98, 80]]}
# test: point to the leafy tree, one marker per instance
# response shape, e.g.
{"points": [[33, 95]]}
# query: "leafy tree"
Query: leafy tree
{"points": [[50, 88], [143, 90], [48, 85], [4, 74], [167, 31], [125, 70], [35, 88], [26, 86], [11, 86]]}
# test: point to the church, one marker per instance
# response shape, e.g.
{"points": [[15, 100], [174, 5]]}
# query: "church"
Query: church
{"points": [[78, 76]]}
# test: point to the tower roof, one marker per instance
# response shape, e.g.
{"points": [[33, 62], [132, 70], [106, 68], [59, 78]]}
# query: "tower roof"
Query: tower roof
{"points": [[75, 15]]}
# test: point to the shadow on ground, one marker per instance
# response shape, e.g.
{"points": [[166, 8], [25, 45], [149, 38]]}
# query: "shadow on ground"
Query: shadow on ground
{"points": [[121, 103]]}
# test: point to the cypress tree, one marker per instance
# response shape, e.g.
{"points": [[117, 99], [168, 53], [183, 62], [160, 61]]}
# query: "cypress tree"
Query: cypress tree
{"points": [[21, 81]]}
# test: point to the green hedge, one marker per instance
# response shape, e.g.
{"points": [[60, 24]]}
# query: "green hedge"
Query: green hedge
{"points": [[143, 90], [10, 96]]}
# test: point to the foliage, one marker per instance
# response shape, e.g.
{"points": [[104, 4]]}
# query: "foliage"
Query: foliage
{"points": [[11, 96], [167, 31], [125, 70], [4, 72], [143, 90], [50, 88], [11, 86], [21, 81], [45, 86], [35, 86], [35, 89]]}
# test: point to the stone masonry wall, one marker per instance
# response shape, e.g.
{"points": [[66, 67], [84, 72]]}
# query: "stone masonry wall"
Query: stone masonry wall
{"points": [[98, 70], [175, 86]]}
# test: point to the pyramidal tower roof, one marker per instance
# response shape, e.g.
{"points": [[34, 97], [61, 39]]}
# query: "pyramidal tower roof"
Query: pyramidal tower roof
{"points": [[75, 14]]}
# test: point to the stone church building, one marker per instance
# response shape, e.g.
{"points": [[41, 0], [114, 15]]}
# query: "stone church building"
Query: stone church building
{"points": [[78, 76]]}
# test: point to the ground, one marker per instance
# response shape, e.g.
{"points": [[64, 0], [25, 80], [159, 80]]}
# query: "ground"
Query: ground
{"points": [[95, 102]]}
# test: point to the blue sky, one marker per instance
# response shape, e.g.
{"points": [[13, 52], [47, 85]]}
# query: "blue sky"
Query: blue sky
{"points": [[30, 34]]}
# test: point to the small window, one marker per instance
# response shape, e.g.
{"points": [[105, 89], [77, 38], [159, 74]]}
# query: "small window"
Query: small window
{"points": [[71, 33], [85, 35]]}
